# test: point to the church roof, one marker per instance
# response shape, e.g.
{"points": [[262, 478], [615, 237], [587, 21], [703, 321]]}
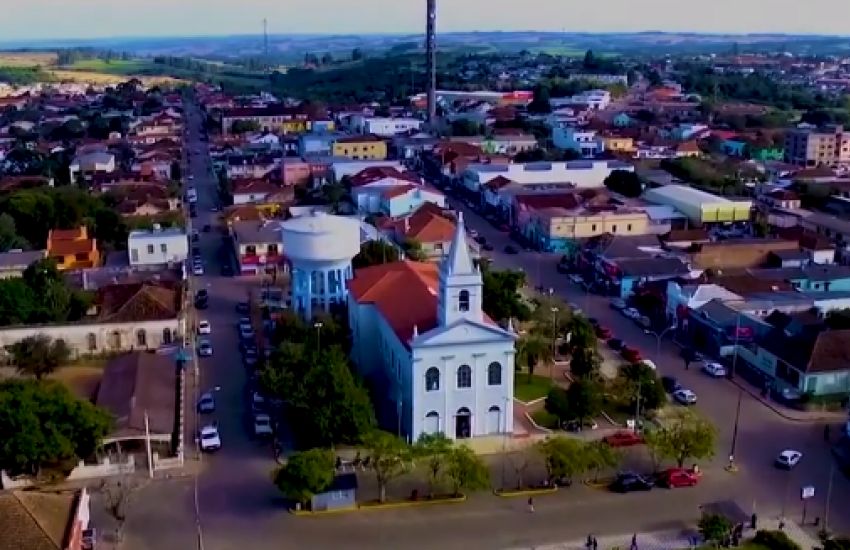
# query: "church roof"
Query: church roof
{"points": [[458, 261]]}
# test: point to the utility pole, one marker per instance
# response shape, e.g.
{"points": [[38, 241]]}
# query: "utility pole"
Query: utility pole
{"points": [[431, 53], [732, 467], [828, 497], [148, 445], [266, 43]]}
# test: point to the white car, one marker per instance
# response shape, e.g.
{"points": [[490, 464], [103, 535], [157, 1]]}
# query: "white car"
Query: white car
{"points": [[577, 279], [258, 402], [685, 397], [209, 439], [715, 370], [204, 327], [618, 303], [205, 348], [787, 459], [631, 313], [262, 425], [648, 363], [198, 269], [206, 404]]}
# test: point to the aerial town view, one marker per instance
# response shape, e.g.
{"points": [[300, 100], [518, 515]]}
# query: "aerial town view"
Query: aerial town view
{"points": [[424, 274]]}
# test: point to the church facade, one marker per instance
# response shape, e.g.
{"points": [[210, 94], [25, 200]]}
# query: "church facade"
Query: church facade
{"points": [[434, 360]]}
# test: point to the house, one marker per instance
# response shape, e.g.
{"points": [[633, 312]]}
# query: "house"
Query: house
{"points": [[818, 249], [683, 297], [617, 144], [368, 188], [504, 143], [274, 117], [366, 147], [717, 326], [317, 143], [428, 226], [633, 272], [124, 317], [818, 278], [687, 149], [251, 166], [14, 262], [738, 254], [622, 120], [341, 494], [436, 362], [400, 200], [258, 245], [252, 191], [72, 248], [45, 520], [584, 142], [342, 167], [90, 163], [157, 247]]}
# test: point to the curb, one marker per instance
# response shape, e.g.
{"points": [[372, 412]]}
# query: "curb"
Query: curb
{"points": [[602, 484], [525, 492], [381, 506], [780, 412]]}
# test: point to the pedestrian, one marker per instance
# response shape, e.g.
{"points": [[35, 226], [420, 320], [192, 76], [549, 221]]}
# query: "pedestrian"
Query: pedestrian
{"points": [[589, 543], [754, 521], [595, 544], [634, 545], [531, 505]]}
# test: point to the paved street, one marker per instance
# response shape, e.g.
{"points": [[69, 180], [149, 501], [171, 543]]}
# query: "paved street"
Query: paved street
{"points": [[239, 508]]}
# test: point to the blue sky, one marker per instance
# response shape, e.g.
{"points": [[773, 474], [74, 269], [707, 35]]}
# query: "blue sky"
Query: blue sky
{"points": [[46, 19]]}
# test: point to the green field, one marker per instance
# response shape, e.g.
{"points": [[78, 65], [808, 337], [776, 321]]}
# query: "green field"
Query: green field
{"points": [[526, 390], [116, 66]]}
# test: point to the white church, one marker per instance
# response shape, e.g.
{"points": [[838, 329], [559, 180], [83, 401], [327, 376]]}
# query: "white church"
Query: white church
{"points": [[436, 361]]}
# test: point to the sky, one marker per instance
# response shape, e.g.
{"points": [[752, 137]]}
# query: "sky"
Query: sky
{"points": [[51, 19]]}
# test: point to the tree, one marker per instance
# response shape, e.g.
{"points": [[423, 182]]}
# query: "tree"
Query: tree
{"points": [[39, 355], [639, 380], [501, 298], [715, 528], [327, 59], [375, 253], [557, 403], [686, 436], [244, 126], [584, 399], [9, 237], [333, 194], [840, 543], [356, 54], [435, 448], [413, 250], [838, 319], [389, 457], [540, 104], [564, 457], [600, 456], [624, 182], [589, 62], [584, 363], [532, 349], [465, 127], [466, 470], [777, 540], [45, 428], [306, 474]]}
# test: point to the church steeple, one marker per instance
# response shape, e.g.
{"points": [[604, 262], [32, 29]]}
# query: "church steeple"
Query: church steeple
{"points": [[460, 282]]}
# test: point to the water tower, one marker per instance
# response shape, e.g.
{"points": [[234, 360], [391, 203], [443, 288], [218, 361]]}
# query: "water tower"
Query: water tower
{"points": [[320, 248]]}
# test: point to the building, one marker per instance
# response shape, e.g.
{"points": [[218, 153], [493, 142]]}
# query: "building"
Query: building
{"points": [[617, 144], [257, 244], [342, 167], [272, 118], [601, 78], [428, 226], [317, 143], [45, 520], [699, 206], [561, 229], [253, 191], [581, 173], [738, 254], [319, 248], [399, 201], [87, 164], [386, 127], [157, 247], [72, 248], [365, 147], [812, 147], [421, 339], [582, 141], [15, 262]]}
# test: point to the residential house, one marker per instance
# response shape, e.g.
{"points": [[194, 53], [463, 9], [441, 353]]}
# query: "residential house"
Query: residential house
{"points": [[369, 186], [365, 147], [45, 520], [816, 278], [617, 144], [436, 362], [72, 248], [833, 228], [584, 142], [252, 191], [683, 296], [385, 127], [560, 229], [631, 273], [251, 166], [157, 247], [687, 149], [124, 317], [84, 165], [717, 326], [429, 226], [400, 200], [317, 143], [258, 245], [818, 249], [14, 262], [340, 168], [305, 172], [503, 142], [622, 120], [274, 117]]}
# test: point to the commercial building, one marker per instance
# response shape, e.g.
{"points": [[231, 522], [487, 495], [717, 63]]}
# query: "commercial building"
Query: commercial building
{"points": [[386, 127], [817, 147], [157, 247], [584, 142], [700, 207], [559, 229], [276, 117], [581, 173], [367, 147]]}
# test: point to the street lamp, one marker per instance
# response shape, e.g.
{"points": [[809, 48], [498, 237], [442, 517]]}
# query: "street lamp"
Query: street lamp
{"points": [[658, 336], [732, 467], [318, 326], [554, 341]]}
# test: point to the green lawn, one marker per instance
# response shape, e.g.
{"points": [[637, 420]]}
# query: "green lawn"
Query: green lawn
{"points": [[526, 390], [545, 419], [116, 66]]}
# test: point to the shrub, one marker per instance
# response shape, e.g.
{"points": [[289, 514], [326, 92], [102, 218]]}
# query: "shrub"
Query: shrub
{"points": [[775, 540]]}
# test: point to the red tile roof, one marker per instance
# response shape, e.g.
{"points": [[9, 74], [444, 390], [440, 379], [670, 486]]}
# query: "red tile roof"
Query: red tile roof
{"points": [[426, 225], [555, 200], [253, 186], [397, 191], [377, 173], [498, 182]]}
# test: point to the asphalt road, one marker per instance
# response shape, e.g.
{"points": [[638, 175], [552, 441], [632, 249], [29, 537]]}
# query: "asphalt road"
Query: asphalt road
{"points": [[238, 507]]}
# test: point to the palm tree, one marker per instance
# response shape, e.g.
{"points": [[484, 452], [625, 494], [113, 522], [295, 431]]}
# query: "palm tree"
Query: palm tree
{"points": [[531, 350]]}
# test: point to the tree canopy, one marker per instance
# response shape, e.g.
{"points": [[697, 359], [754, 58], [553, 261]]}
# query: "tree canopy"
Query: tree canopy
{"points": [[389, 458], [375, 253], [40, 296], [305, 474], [39, 355], [502, 299], [683, 437], [43, 427], [624, 182]]}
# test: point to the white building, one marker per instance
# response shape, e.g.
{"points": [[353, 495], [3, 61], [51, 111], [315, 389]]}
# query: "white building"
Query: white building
{"points": [[94, 162], [581, 173], [157, 247], [584, 142], [384, 126], [438, 364]]}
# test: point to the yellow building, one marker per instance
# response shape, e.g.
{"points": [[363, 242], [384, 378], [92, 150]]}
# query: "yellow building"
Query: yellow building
{"points": [[72, 248], [558, 229], [361, 148], [618, 144]]}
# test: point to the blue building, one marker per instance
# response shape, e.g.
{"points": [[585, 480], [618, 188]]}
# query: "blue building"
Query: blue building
{"points": [[734, 147], [622, 120]]}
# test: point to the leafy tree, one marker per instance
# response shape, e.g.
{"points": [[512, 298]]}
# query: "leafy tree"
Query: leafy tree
{"points": [[601, 456], [305, 474], [375, 253], [531, 350], [638, 379], [540, 104], [776, 540], [584, 399], [584, 363], [333, 194], [43, 427], [557, 403], [464, 127], [413, 250], [501, 299], [715, 528], [840, 543], [466, 470], [435, 448], [389, 457], [244, 126], [624, 182], [39, 355], [564, 457], [9, 237], [589, 62], [582, 334], [684, 437]]}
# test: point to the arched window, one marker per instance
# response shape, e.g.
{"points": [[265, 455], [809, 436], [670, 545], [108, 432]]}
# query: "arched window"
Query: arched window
{"points": [[464, 376], [91, 340], [141, 338], [463, 300], [432, 379], [166, 335], [494, 374]]}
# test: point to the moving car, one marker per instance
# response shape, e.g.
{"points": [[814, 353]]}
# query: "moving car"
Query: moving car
{"points": [[788, 459], [627, 482], [678, 477], [262, 425], [715, 370], [685, 396], [209, 438], [258, 402], [623, 438], [205, 348], [204, 327], [206, 404], [197, 269]]}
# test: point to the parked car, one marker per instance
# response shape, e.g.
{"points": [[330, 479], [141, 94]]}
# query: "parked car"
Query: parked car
{"points": [[685, 397], [209, 438], [616, 344], [631, 355], [258, 402], [603, 332], [511, 249], [576, 426], [631, 313], [197, 269], [206, 404], [788, 459], [205, 348], [618, 304], [626, 482], [204, 327], [670, 384], [713, 369], [263, 425], [250, 357], [577, 279], [247, 333], [678, 477], [201, 298], [243, 308], [623, 438]]}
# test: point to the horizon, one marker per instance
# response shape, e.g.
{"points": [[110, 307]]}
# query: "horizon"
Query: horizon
{"points": [[40, 21]]}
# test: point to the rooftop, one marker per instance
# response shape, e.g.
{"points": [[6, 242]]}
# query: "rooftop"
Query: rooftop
{"points": [[264, 231], [138, 301], [648, 267], [829, 351], [35, 520], [685, 194], [13, 260]]}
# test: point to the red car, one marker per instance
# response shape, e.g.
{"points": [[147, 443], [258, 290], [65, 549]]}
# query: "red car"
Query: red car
{"points": [[624, 438], [603, 332], [631, 354], [679, 477]]}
